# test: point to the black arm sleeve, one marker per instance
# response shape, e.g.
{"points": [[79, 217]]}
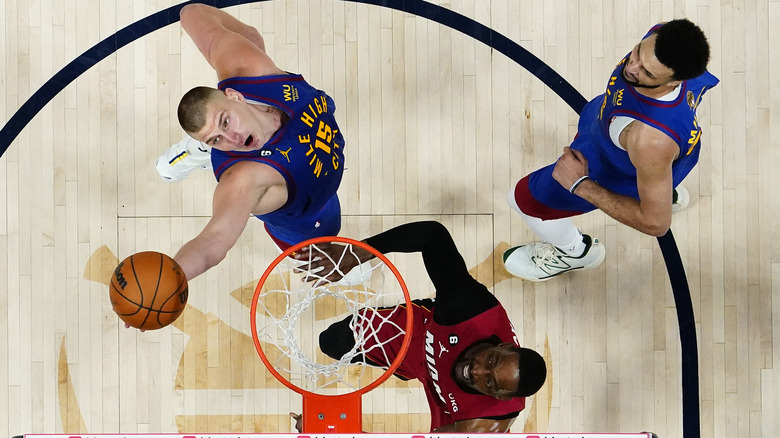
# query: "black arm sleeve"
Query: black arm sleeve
{"points": [[458, 295]]}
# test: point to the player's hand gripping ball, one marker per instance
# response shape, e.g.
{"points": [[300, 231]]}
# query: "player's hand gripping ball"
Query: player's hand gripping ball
{"points": [[148, 290]]}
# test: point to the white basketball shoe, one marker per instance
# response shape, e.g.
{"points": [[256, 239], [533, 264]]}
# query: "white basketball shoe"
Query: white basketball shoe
{"points": [[680, 199], [540, 261], [183, 158]]}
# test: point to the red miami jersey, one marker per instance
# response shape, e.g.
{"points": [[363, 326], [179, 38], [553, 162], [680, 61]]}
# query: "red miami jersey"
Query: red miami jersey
{"points": [[432, 353]]}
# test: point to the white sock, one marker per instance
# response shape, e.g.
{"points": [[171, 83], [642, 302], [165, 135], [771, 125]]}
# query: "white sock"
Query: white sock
{"points": [[560, 232], [575, 248]]}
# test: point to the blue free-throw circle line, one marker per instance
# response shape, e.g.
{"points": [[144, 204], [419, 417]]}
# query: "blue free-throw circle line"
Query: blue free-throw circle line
{"points": [[446, 17]]}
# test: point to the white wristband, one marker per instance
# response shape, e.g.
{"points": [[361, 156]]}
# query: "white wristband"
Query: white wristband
{"points": [[577, 183]]}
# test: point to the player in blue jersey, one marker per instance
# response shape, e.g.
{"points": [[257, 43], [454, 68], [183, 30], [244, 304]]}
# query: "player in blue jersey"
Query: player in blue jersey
{"points": [[635, 144], [275, 147]]}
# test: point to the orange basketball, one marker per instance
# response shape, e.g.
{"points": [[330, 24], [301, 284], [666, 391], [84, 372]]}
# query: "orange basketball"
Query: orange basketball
{"points": [[148, 290]]}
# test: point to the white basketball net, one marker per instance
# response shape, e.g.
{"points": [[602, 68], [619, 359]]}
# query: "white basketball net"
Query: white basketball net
{"points": [[292, 313]]}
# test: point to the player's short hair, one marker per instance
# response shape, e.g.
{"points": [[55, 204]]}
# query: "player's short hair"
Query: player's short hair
{"points": [[533, 372], [192, 108], [683, 47]]}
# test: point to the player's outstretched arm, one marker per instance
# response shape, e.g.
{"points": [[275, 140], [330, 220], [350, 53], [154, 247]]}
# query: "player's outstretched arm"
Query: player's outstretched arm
{"points": [[427, 237], [478, 425], [235, 197], [231, 47], [458, 295], [444, 263]]}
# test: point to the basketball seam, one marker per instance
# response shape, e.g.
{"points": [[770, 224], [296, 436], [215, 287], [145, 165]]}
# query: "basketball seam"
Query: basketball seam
{"points": [[157, 288], [140, 290], [119, 292], [140, 305], [176, 294]]}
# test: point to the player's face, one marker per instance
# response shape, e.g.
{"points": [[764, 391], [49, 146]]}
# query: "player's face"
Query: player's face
{"points": [[644, 70], [231, 124], [489, 369]]}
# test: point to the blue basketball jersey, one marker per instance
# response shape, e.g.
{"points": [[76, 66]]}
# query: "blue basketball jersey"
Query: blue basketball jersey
{"points": [[609, 165], [308, 151]]}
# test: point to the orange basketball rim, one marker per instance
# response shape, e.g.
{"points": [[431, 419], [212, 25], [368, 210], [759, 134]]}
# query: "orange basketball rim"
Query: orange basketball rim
{"points": [[329, 413]]}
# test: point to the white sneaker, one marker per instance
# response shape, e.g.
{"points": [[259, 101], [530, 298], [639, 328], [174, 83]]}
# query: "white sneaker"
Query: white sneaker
{"points": [[680, 199], [183, 158], [542, 261]]}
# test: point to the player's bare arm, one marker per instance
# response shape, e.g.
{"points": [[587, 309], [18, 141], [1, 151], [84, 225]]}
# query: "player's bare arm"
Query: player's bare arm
{"points": [[244, 189], [231, 47], [478, 425], [652, 153]]}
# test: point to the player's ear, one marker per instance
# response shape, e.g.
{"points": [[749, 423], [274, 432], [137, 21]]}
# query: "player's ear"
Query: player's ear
{"points": [[674, 84], [234, 95], [503, 397]]}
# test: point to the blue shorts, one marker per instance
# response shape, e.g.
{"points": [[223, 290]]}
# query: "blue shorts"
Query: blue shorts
{"points": [[287, 231], [540, 195]]}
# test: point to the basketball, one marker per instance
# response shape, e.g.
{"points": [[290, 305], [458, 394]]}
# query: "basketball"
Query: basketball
{"points": [[148, 290]]}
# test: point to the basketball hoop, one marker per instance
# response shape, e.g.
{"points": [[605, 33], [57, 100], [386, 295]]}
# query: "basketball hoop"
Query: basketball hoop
{"points": [[288, 313]]}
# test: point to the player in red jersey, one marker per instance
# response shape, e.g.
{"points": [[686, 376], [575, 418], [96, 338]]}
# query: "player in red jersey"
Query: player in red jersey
{"points": [[464, 349]]}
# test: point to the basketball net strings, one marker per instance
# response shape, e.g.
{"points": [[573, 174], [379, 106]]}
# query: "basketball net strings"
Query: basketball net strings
{"points": [[289, 311]]}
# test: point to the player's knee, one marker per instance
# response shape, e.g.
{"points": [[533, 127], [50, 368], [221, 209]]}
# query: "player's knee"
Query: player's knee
{"points": [[338, 339]]}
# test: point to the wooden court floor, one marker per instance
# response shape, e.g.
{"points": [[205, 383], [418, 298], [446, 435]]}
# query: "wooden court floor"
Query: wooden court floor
{"points": [[438, 126]]}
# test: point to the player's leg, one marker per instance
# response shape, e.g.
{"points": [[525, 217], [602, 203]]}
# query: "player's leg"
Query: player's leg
{"points": [[563, 247], [183, 158]]}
